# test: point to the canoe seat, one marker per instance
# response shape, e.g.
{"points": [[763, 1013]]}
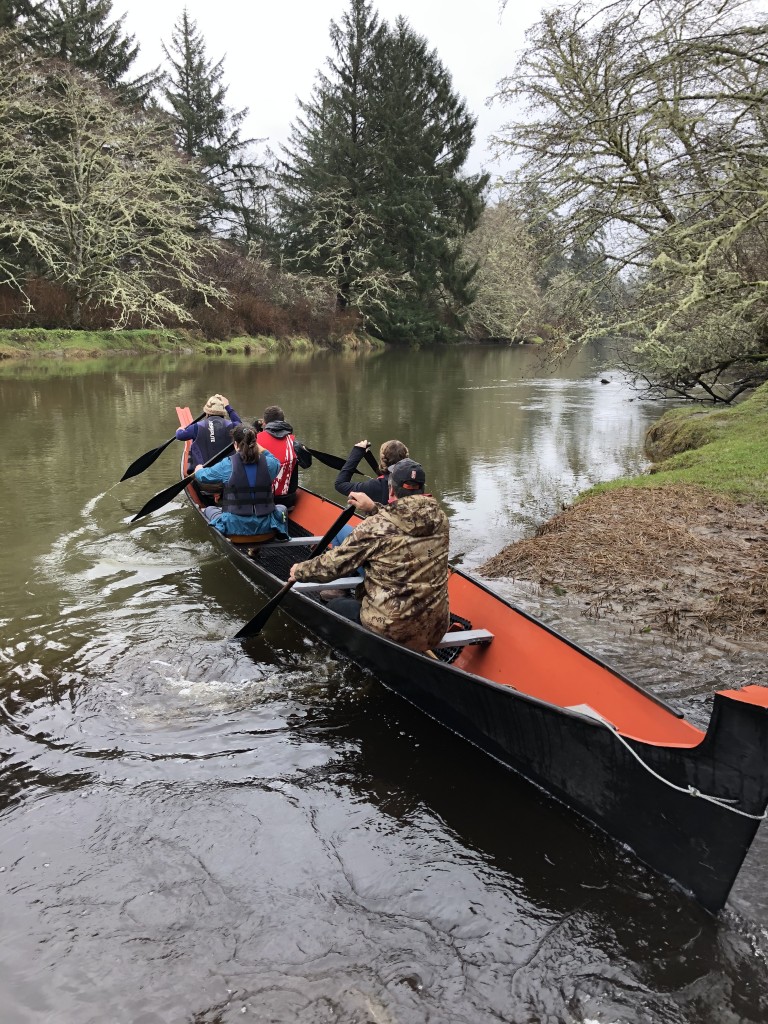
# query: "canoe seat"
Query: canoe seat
{"points": [[251, 538], [282, 542], [462, 637], [347, 583]]}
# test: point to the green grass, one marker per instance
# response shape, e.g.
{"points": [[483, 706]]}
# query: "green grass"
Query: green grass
{"points": [[38, 343], [724, 450], [35, 342]]}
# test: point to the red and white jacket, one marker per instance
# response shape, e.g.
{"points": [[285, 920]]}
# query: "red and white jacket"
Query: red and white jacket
{"points": [[284, 450]]}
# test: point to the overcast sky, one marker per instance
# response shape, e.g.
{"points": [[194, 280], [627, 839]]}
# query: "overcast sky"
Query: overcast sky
{"points": [[273, 50]]}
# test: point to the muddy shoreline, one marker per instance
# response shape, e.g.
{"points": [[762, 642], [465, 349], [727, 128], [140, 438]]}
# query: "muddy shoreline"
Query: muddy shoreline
{"points": [[680, 561]]}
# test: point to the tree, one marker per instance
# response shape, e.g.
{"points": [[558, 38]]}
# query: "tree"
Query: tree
{"points": [[208, 130], [326, 195], [23, 239], [14, 13], [80, 32], [646, 126], [93, 195], [379, 150], [526, 285], [423, 133]]}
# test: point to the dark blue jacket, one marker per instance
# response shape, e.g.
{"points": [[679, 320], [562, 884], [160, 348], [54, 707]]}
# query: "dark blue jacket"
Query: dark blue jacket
{"points": [[199, 434], [377, 489]]}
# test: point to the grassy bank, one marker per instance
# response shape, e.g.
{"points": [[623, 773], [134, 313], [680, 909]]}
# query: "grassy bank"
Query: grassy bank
{"points": [[37, 343]]}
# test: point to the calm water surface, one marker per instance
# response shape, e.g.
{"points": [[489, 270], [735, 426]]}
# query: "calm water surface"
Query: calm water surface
{"points": [[193, 830]]}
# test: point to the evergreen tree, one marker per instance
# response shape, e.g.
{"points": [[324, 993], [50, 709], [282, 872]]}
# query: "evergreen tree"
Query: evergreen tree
{"points": [[207, 130], [424, 135], [380, 149], [15, 13], [325, 201], [80, 32]]}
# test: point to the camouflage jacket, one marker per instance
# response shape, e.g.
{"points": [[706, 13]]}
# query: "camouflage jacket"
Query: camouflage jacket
{"points": [[403, 548]]}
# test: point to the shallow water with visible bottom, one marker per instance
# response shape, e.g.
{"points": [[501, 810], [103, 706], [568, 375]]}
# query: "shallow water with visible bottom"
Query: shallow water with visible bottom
{"points": [[198, 830]]}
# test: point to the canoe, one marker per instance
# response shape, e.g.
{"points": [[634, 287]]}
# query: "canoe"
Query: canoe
{"points": [[688, 803]]}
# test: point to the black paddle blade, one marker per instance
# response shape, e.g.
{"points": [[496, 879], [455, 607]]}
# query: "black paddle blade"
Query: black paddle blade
{"points": [[329, 460], [163, 497], [145, 461], [259, 620]]}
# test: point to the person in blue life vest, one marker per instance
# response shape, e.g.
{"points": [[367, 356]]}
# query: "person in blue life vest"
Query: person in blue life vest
{"points": [[276, 435], [212, 434], [247, 503], [378, 489]]}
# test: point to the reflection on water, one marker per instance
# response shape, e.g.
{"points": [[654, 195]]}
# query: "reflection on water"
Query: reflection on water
{"points": [[193, 830]]}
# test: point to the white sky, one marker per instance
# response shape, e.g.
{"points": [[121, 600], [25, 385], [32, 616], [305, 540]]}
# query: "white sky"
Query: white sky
{"points": [[273, 49]]}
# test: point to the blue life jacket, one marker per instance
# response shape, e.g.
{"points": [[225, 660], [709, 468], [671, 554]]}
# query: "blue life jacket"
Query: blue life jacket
{"points": [[212, 437], [240, 499]]}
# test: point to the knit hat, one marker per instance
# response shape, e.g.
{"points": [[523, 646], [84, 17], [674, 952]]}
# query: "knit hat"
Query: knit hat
{"points": [[215, 406]]}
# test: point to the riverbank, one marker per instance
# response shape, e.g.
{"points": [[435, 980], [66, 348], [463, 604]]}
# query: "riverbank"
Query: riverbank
{"points": [[37, 343], [681, 550]]}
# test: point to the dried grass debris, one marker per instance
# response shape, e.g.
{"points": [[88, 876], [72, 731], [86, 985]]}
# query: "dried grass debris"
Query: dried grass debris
{"points": [[679, 559]]}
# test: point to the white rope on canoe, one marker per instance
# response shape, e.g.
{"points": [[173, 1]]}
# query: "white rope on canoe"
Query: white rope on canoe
{"points": [[689, 790]]}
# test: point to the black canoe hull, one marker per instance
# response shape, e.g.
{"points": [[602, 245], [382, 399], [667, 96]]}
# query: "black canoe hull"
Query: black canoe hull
{"points": [[649, 794], [577, 760]]}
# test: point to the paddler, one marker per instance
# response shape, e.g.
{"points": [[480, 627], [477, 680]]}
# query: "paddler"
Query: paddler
{"points": [[378, 489], [212, 434], [403, 547]]}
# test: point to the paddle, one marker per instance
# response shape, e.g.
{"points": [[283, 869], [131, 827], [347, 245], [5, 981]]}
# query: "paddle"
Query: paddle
{"points": [[337, 463], [329, 460], [145, 461], [163, 497], [371, 461], [259, 620]]}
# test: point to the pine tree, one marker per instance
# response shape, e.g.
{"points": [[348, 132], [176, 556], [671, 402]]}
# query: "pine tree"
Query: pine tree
{"points": [[372, 187], [209, 131], [324, 201], [80, 32], [424, 134], [15, 13]]}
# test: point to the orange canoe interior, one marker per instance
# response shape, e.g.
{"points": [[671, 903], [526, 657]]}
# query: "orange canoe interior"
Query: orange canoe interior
{"points": [[527, 657]]}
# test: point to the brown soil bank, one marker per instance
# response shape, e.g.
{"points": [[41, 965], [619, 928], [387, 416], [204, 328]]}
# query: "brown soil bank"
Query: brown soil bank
{"points": [[677, 558]]}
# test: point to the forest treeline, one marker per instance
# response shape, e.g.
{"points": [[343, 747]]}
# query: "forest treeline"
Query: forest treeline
{"points": [[630, 201]]}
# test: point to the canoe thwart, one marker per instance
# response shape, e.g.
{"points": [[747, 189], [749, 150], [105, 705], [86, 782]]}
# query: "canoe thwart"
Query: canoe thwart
{"points": [[462, 637], [296, 541], [347, 583]]}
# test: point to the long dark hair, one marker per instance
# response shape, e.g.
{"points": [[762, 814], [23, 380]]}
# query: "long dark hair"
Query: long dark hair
{"points": [[244, 437]]}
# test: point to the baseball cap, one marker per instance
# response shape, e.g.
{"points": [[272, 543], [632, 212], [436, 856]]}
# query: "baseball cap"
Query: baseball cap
{"points": [[407, 474]]}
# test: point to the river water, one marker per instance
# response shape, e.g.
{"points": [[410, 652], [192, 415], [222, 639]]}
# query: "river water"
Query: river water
{"points": [[194, 830]]}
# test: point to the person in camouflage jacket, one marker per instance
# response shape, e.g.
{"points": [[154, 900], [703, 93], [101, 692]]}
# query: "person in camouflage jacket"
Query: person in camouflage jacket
{"points": [[403, 548]]}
